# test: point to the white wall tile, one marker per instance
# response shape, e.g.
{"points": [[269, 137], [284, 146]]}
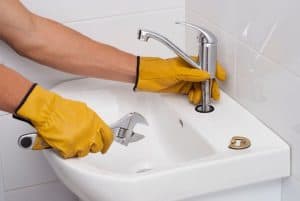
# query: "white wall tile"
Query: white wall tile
{"points": [[64, 11], [21, 167], [3, 113], [121, 31], [54, 191], [243, 19], [291, 190], [283, 44], [1, 182]]}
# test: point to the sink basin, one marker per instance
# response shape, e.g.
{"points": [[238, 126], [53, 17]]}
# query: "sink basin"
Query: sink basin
{"points": [[184, 153]]}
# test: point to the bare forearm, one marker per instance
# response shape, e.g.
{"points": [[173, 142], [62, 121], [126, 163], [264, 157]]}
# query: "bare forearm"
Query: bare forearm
{"points": [[13, 88], [55, 45], [68, 50]]}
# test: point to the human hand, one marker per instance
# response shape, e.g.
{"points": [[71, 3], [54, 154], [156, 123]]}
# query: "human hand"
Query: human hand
{"points": [[175, 76], [70, 127]]}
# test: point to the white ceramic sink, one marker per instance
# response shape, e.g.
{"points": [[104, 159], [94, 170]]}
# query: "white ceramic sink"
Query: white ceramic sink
{"points": [[184, 153]]}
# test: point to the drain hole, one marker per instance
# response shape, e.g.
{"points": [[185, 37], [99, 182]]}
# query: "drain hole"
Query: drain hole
{"points": [[199, 108], [143, 170]]}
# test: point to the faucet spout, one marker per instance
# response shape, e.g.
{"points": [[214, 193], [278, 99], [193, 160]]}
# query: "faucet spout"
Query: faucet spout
{"points": [[145, 35]]}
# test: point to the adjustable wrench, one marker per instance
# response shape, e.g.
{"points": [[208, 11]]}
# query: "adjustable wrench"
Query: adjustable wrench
{"points": [[122, 130]]}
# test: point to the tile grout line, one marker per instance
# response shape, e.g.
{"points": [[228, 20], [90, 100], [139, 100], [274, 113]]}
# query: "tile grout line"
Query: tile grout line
{"points": [[1, 179], [122, 15], [30, 186]]}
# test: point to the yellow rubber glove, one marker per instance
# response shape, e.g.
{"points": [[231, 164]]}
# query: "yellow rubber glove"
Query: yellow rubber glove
{"points": [[175, 76], [70, 127]]}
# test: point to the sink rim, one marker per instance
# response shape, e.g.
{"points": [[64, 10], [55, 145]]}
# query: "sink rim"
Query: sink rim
{"points": [[265, 145]]}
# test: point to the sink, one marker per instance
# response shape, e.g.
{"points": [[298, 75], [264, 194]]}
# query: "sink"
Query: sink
{"points": [[184, 153]]}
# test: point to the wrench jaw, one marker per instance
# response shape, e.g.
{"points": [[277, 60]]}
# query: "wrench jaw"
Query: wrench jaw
{"points": [[123, 129], [137, 118], [122, 139]]}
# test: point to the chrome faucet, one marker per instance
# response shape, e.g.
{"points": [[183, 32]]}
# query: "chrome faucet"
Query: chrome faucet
{"points": [[207, 58]]}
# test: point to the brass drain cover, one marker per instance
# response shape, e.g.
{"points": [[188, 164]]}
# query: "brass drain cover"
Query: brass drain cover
{"points": [[239, 142]]}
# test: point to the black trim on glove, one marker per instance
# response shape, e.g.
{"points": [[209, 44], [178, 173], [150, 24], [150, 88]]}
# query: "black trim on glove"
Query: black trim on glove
{"points": [[15, 115], [137, 72]]}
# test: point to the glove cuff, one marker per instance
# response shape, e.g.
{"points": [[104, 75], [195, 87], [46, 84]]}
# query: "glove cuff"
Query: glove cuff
{"points": [[22, 103], [25, 97], [34, 106], [137, 72]]}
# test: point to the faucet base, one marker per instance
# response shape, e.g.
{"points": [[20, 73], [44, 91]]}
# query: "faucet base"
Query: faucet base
{"points": [[201, 109]]}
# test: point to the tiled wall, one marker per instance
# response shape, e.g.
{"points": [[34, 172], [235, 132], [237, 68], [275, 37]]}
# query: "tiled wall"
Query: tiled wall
{"points": [[1, 182], [260, 46], [25, 175]]}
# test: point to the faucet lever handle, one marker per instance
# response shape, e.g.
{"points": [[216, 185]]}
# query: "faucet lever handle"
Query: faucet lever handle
{"points": [[209, 36]]}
